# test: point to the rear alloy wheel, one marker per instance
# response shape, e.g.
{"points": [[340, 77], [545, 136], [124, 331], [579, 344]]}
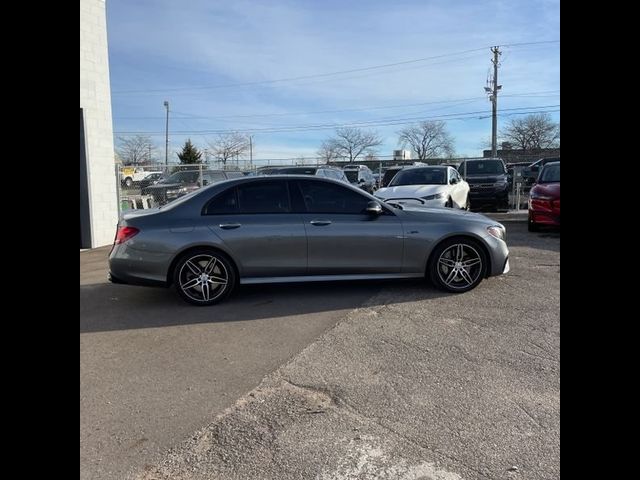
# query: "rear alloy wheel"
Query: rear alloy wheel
{"points": [[204, 277], [458, 265]]}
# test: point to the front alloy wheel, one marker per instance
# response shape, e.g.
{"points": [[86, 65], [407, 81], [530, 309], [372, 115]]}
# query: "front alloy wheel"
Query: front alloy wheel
{"points": [[458, 265], [204, 277]]}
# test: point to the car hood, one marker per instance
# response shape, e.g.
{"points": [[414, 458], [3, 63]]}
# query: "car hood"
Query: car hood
{"points": [[549, 189], [410, 191], [159, 186], [417, 212]]}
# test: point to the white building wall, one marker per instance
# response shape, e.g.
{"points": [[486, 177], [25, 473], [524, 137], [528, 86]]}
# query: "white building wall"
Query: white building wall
{"points": [[95, 100]]}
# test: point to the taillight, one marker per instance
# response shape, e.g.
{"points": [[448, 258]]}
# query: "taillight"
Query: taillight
{"points": [[125, 233]]}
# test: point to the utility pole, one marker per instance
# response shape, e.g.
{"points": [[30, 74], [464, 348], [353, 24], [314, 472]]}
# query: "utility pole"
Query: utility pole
{"points": [[166, 136], [493, 97]]}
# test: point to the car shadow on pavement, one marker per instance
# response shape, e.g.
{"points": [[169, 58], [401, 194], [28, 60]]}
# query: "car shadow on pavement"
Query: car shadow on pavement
{"points": [[109, 307]]}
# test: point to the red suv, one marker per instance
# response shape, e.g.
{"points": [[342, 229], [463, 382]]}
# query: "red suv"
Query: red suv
{"points": [[544, 198]]}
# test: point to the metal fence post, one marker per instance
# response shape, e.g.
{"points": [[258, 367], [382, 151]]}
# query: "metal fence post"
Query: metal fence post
{"points": [[518, 197], [513, 185], [117, 170], [200, 175]]}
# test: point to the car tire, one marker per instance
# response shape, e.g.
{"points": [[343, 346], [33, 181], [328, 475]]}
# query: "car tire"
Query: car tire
{"points": [[449, 203], [531, 225], [128, 182], [207, 265], [452, 255]]}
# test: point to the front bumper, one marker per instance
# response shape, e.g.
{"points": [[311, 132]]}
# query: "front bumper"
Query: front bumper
{"points": [[485, 195], [544, 212]]}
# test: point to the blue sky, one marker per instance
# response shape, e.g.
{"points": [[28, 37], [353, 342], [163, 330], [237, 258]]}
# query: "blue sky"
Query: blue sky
{"points": [[220, 64]]}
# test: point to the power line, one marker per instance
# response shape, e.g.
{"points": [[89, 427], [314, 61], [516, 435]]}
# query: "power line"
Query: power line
{"points": [[319, 75], [188, 116], [369, 123]]}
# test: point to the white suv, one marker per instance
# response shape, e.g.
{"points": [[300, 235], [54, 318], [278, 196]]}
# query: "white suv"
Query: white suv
{"points": [[360, 176]]}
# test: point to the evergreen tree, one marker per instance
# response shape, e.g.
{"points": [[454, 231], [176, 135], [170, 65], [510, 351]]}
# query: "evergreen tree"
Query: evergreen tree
{"points": [[189, 154]]}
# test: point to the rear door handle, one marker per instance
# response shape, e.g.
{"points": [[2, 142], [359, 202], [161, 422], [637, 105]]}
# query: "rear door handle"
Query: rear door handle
{"points": [[229, 226], [320, 223]]}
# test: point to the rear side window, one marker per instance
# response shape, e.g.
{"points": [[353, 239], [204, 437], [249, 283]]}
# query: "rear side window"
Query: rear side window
{"points": [[263, 197], [223, 203]]}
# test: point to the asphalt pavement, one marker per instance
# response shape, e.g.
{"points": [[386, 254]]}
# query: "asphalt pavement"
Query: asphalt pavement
{"points": [[397, 380]]}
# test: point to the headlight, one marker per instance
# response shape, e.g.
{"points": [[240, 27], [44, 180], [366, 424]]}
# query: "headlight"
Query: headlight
{"points": [[497, 231], [537, 196], [177, 191], [433, 197]]}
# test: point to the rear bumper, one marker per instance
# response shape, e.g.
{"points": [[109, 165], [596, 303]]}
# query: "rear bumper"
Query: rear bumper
{"points": [[133, 267]]}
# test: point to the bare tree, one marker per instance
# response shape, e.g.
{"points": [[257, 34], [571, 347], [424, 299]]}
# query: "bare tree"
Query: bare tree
{"points": [[327, 152], [533, 132], [228, 146], [350, 142], [137, 150], [428, 139]]}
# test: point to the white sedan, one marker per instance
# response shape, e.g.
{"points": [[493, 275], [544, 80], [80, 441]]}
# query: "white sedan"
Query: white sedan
{"points": [[430, 186]]}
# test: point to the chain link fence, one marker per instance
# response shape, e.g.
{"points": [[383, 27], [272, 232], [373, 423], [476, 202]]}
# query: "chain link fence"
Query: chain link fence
{"points": [[148, 186]]}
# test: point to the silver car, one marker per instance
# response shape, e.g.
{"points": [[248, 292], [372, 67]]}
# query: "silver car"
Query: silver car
{"points": [[254, 230]]}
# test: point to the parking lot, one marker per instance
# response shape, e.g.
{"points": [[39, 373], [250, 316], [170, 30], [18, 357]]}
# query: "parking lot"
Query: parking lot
{"points": [[350, 380]]}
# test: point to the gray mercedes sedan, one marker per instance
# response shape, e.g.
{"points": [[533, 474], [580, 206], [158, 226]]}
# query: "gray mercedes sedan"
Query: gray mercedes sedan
{"points": [[295, 228]]}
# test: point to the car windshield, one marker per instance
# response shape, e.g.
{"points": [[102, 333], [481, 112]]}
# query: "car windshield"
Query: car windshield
{"points": [[482, 166], [182, 177], [550, 174], [352, 175], [420, 176]]}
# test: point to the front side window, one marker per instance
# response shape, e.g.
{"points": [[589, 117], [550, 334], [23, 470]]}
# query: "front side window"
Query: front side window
{"points": [[325, 197], [212, 177], [183, 177]]}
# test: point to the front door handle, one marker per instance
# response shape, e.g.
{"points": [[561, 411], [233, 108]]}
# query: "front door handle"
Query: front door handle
{"points": [[320, 223], [229, 226]]}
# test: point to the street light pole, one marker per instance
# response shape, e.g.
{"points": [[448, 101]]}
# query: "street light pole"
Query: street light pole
{"points": [[494, 103], [166, 136]]}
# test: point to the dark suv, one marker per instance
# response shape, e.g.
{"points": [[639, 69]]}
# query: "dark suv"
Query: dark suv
{"points": [[389, 173], [181, 183], [487, 179], [323, 171]]}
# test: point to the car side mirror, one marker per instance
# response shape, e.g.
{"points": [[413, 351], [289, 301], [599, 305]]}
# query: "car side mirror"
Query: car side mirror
{"points": [[374, 208]]}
